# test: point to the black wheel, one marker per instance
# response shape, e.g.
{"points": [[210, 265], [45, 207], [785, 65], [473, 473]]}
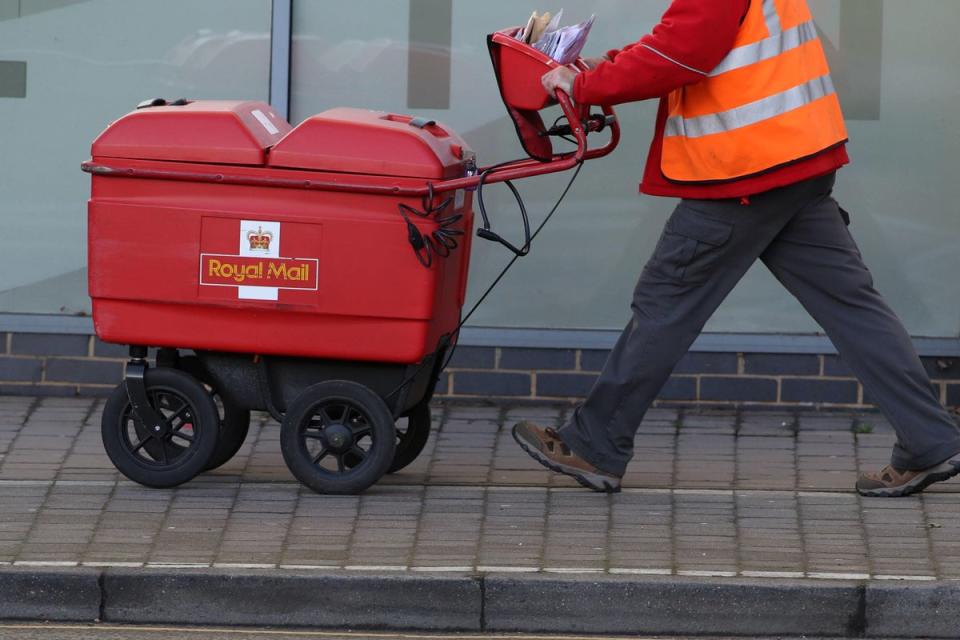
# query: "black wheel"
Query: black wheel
{"points": [[234, 421], [413, 431], [330, 424], [184, 445], [411, 437]]}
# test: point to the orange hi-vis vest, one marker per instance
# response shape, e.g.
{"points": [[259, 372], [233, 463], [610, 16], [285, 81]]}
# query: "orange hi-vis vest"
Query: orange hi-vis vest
{"points": [[769, 103]]}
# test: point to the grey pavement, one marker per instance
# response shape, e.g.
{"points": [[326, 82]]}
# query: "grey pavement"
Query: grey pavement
{"points": [[710, 494], [739, 523]]}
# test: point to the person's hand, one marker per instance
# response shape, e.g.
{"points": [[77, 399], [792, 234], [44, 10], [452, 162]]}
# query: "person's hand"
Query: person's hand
{"points": [[560, 78]]}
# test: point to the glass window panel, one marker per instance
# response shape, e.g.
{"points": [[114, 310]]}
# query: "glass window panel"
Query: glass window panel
{"points": [[88, 62]]}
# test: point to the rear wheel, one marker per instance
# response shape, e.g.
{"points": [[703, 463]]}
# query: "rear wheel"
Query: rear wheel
{"points": [[173, 452], [413, 431], [234, 421], [332, 424]]}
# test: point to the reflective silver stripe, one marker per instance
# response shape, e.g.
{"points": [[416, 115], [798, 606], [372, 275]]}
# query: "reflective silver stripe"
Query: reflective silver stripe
{"points": [[768, 48], [771, 17], [752, 113], [676, 62]]}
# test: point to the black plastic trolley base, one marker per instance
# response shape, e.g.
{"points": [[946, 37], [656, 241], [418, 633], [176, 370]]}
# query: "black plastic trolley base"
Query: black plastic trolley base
{"points": [[344, 424]]}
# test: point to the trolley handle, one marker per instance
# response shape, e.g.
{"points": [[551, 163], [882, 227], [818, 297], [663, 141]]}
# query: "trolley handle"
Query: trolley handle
{"points": [[578, 128], [574, 117], [529, 167]]}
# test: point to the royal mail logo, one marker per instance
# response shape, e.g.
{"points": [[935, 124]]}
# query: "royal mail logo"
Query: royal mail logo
{"points": [[260, 240], [253, 265], [278, 273]]}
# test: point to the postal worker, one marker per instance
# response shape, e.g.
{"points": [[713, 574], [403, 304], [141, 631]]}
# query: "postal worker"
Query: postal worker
{"points": [[749, 135]]}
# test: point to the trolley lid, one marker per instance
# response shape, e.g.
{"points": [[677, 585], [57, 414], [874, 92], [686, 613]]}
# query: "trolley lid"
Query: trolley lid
{"points": [[207, 131], [348, 140]]}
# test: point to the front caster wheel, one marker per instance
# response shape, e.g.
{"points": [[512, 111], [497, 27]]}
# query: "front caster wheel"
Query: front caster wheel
{"points": [[168, 454], [331, 425], [412, 438]]}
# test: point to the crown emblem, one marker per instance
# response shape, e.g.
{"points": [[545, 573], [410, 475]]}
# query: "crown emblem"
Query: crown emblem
{"points": [[259, 240]]}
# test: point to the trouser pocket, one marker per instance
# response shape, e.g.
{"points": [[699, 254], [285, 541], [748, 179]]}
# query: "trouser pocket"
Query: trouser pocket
{"points": [[845, 215], [689, 247]]}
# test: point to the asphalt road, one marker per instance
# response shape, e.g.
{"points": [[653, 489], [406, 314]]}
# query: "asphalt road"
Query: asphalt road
{"points": [[13, 631]]}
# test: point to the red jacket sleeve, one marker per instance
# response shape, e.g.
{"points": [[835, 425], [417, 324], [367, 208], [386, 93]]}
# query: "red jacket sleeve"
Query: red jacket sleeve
{"points": [[692, 38], [613, 53]]}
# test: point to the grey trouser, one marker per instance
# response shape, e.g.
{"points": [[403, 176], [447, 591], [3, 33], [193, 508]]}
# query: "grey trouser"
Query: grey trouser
{"points": [[707, 246]]}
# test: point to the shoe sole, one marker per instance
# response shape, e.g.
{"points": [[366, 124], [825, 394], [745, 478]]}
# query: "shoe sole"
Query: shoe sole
{"points": [[939, 473], [600, 484]]}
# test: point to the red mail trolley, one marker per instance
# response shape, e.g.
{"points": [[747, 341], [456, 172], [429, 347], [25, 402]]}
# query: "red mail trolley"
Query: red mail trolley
{"points": [[316, 272]]}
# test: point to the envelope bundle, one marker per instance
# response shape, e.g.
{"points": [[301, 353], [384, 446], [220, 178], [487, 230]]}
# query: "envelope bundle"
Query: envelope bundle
{"points": [[563, 44]]}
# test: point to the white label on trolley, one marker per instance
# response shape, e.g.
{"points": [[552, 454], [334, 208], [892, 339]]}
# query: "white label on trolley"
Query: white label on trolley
{"points": [[458, 199], [265, 121], [259, 238]]}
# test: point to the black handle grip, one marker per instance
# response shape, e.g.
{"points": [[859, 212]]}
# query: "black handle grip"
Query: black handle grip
{"points": [[594, 124]]}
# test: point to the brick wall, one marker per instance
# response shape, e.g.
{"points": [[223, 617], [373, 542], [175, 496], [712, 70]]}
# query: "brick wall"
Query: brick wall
{"points": [[59, 365], [66, 365], [700, 378]]}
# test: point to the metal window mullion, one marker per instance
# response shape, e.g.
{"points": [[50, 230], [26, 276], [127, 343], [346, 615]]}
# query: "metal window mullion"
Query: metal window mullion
{"points": [[281, 36]]}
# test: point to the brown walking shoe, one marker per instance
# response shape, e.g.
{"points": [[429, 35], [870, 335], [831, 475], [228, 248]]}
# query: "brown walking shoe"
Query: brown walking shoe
{"points": [[890, 482], [546, 447]]}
